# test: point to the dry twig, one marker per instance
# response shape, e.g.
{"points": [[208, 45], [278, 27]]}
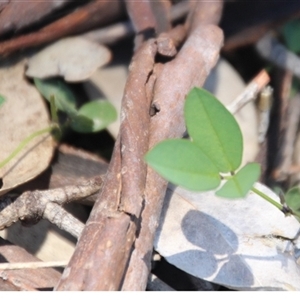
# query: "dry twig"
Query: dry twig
{"points": [[115, 32], [287, 150], [250, 92], [32, 265], [129, 205], [32, 206]]}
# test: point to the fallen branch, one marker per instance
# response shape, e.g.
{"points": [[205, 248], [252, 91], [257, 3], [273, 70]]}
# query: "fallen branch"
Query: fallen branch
{"points": [[108, 236], [189, 68], [121, 30], [250, 92], [284, 169], [33, 206], [115, 247]]}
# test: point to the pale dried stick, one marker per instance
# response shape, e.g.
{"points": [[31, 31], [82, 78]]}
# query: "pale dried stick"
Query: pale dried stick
{"points": [[264, 106], [33, 265], [250, 92]]}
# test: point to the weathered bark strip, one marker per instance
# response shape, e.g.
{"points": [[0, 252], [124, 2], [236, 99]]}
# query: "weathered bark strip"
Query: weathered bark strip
{"points": [[106, 241], [190, 68], [127, 201], [167, 43], [204, 12], [93, 14], [162, 12], [113, 33], [138, 9]]}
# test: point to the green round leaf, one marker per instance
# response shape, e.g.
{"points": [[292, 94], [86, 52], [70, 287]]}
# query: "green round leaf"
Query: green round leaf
{"points": [[183, 163], [241, 183], [64, 98], [292, 198], [213, 128], [94, 116]]}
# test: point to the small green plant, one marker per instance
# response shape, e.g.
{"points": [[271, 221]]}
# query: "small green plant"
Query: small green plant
{"points": [[91, 117], [212, 154]]}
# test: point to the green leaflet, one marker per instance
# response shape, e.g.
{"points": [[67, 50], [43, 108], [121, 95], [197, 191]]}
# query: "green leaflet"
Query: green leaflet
{"points": [[64, 98], [94, 116], [213, 128], [183, 163], [239, 184], [91, 117]]}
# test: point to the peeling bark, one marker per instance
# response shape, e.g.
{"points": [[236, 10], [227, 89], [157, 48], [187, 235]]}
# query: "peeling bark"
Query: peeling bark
{"points": [[114, 250], [190, 68]]}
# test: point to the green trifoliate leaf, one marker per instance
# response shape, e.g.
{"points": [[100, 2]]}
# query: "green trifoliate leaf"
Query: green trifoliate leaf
{"points": [[64, 98], [183, 163], [213, 128], [241, 183], [94, 116]]}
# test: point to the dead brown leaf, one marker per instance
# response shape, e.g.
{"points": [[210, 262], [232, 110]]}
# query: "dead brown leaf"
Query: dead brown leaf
{"points": [[23, 113]]}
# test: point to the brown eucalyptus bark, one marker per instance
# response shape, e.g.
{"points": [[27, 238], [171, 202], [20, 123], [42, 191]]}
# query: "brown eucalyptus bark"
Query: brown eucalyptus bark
{"points": [[115, 248]]}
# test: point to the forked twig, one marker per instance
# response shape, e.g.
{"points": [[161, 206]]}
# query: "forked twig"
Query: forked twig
{"points": [[32, 206]]}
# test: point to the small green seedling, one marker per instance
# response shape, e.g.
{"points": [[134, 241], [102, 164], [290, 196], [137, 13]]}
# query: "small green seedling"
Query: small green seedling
{"points": [[212, 154], [91, 117]]}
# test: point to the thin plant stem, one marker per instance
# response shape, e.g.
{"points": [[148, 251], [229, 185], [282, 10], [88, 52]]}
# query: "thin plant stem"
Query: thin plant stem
{"points": [[24, 143], [278, 205], [266, 197], [281, 207], [53, 109]]}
